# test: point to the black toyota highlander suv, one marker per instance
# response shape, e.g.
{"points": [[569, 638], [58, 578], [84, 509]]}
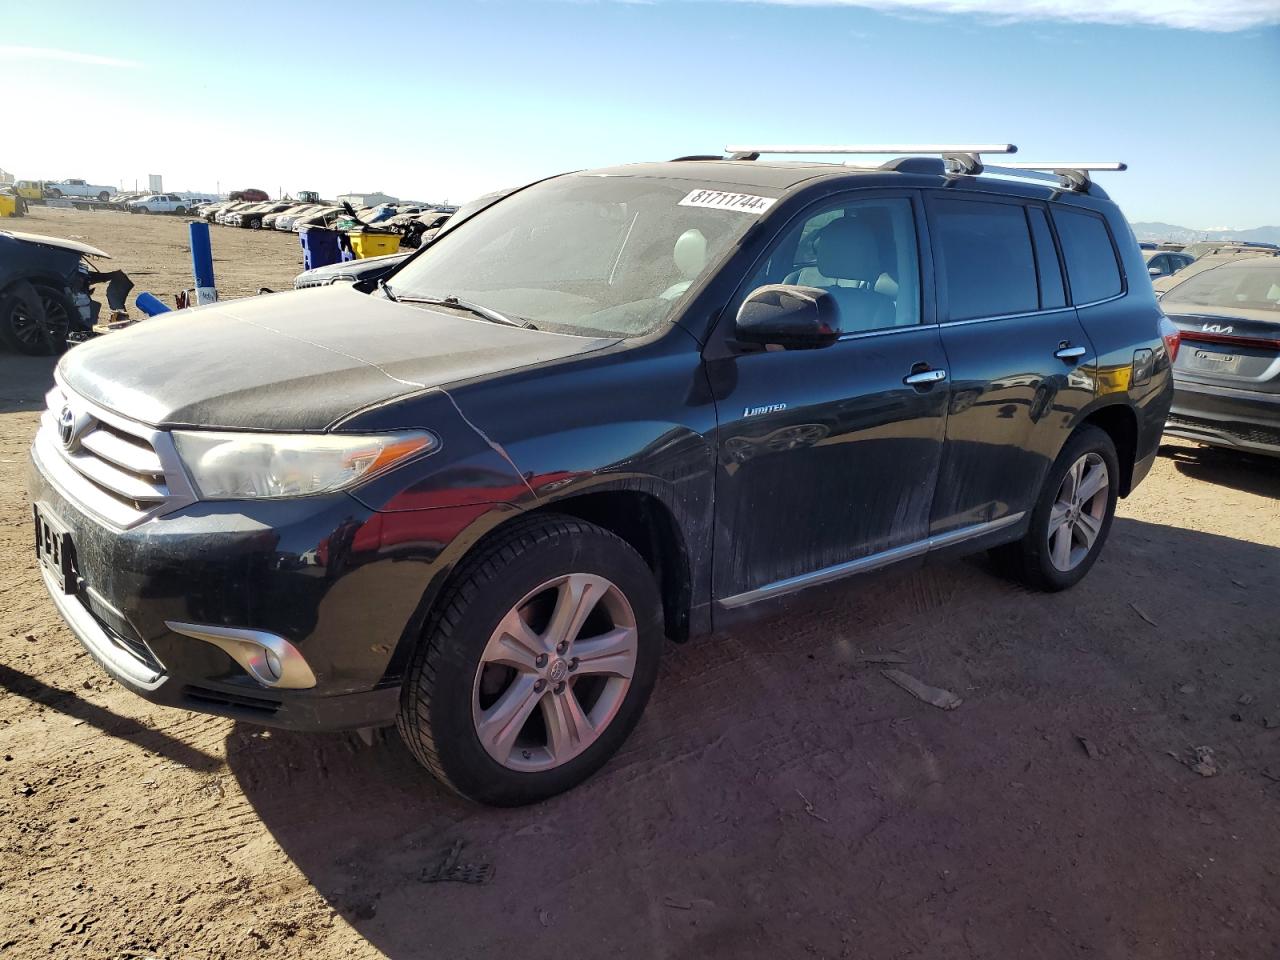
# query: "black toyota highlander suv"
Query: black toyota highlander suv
{"points": [[612, 407]]}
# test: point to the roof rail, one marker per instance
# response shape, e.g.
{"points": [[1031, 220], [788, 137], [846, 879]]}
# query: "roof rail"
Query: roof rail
{"points": [[959, 158], [1074, 175]]}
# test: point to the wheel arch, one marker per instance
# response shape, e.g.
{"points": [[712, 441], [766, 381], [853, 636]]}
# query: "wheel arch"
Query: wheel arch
{"points": [[1120, 423], [632, 511], [35, 280], [644, 521]]}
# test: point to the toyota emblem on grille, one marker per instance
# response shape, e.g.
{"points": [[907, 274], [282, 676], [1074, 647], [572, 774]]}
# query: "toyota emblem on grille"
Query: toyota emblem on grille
{"points": [[72, 426], [67, 426]]}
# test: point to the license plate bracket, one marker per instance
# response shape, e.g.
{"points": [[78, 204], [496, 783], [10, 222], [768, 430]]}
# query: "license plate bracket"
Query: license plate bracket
{"points": [[55, 550]]}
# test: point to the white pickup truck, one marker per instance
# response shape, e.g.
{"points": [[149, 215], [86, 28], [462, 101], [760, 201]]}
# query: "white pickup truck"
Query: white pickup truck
{"points": [[78, 188]]}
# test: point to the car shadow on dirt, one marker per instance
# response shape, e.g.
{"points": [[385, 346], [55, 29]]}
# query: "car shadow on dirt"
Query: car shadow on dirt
{"points": [[781, 795], [18, 684], [1250, 473]]}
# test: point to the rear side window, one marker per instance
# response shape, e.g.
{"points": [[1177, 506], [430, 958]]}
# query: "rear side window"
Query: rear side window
{"points": [[1092, 269], [1052, 293], [988, 265]]}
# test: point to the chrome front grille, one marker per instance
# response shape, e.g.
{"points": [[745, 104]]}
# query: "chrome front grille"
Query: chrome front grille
{"points": [[123, 471]]}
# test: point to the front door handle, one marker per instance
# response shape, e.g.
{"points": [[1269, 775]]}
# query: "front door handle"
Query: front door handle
{"points": [[1067, 352], [924, 377]]}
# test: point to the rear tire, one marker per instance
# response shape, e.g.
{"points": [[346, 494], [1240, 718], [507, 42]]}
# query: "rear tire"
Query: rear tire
{"points": [[104, 196], [494, 638], [35, 320], [1067, 530]]}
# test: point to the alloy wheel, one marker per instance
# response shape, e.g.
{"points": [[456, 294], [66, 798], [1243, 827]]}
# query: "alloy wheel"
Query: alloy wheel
{"points": [[32, 331], [554, 672], [1078, 512]]}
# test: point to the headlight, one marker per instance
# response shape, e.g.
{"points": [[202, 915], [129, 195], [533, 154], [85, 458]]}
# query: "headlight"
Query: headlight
{"points": [[243, 466]]}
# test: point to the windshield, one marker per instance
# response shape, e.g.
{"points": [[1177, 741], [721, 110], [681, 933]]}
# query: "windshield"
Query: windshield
{"points": [[1244, 285], [584, 254]]}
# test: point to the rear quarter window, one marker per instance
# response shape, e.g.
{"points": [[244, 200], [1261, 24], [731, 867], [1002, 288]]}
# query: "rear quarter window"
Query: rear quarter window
{"points": [[1092, 269]]}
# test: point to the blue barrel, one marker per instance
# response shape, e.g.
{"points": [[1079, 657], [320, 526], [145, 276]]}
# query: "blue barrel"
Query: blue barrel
{"points": [[151, 306], [319, 247]]}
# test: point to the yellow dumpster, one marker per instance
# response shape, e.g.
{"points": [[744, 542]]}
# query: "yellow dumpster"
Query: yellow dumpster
{"points": [[8, 205], [373, 244]]}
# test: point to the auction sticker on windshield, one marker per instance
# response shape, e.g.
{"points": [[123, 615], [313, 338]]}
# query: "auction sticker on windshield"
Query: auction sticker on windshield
{"points": [[745, 202]]}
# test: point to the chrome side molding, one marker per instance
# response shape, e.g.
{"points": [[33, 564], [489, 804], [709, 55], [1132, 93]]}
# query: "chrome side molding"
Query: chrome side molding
{"points": [[871, 562]]}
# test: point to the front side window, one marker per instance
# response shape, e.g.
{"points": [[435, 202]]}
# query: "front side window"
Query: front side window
{"points": [[1092, 269], [586, 254], [988, 266], [863, 253]]}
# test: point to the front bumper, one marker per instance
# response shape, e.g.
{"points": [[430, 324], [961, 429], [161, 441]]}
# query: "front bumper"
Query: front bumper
{"points": [[1246, 420], [314, 571]]}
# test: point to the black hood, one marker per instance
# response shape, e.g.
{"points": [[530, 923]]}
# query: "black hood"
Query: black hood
{"points": [[295, 361]]}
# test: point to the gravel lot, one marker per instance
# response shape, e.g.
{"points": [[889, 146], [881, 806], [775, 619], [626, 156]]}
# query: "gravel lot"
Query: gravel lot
{"points": [[779, 799]]}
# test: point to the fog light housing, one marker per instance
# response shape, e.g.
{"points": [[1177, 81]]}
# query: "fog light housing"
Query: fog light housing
{"points": [[270, 659]]}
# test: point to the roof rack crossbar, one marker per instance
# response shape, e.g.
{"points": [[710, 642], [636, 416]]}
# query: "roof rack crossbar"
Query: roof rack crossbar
{"points": [[1074, 175], [880, 148], [960, 158]]}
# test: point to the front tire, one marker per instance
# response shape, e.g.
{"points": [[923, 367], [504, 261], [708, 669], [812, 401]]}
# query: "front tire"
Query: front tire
{"points": [[1071, 518], [535, 664]]}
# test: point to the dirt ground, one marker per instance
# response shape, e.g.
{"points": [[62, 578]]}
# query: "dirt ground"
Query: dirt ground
{"points": [[779, 799]]}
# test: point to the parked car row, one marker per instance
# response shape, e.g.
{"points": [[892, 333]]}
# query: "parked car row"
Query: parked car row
{"points": [[277, 214], [411, 221]]}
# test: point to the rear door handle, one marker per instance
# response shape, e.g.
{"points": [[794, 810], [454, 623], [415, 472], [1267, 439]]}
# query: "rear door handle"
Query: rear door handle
{"points": [[924, 377], [1069, 353]]}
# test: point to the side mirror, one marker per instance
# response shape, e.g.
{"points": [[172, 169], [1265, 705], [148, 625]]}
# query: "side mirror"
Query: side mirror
{"points": [[794, 318], [1154, 271]]}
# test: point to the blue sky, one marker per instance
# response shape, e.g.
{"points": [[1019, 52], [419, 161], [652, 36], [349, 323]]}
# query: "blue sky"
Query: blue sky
{"points": [[449, 100]]}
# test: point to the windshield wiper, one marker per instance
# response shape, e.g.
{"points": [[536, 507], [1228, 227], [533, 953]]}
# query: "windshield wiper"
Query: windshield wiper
{"points": [[386, 289], [479, 310]]}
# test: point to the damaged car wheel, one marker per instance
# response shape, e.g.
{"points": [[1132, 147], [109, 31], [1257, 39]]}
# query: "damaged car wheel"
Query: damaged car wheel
{"points": [[35, 320]]}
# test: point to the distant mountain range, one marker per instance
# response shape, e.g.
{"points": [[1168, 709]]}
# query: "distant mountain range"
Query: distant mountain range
{"points": [[1171, 231]]}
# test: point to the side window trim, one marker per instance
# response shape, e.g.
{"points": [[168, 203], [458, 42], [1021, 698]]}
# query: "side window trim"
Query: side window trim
{"points": [[1058, 255], [924, 257]]}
